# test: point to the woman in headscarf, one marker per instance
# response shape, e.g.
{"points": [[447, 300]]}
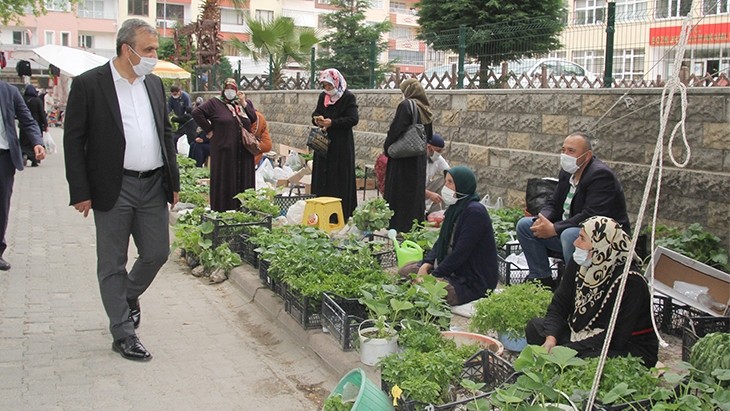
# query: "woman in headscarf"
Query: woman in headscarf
{"points": [[465, 254], [232, 166], [334, 174], [37, 110], [581, 307], [405, 178]]}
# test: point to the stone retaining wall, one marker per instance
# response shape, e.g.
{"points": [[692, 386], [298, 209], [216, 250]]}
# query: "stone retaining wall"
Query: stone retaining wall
{"points": [[508, 136]]}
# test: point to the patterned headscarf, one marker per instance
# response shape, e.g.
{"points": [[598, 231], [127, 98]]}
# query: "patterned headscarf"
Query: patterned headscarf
{"points": [[333, 77], [594, 284], [412, 89]]}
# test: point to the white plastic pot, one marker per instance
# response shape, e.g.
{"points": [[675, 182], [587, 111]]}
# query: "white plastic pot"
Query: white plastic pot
{"points": [[373, 349]]}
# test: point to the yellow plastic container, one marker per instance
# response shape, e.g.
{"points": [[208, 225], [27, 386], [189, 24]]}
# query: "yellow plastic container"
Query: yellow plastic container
{"points": [[324, 213]]}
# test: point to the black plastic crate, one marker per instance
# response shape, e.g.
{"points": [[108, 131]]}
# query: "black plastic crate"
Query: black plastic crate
{"points": [[284, 202], [670, 316], [305, 310], [509, 248], [510, 273], [247, 251], [697, 327], [223, 231], [273, 285], [341, 316], [484, 366], [385, 256]]}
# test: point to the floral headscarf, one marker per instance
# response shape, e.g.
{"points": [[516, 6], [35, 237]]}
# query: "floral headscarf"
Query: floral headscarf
{"points": [[412, 89], [594, 284], [333, 77]]}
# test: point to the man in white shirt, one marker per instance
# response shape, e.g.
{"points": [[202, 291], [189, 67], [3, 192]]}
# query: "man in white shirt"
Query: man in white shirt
{"points": [[435, 167]]}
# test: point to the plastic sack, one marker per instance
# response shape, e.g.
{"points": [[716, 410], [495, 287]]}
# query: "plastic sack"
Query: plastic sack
{"points": [[49, 143], [183, 147], [296, 212], [497, 204], [266, 172], [690, 290], [436, 217], [294, 161]]}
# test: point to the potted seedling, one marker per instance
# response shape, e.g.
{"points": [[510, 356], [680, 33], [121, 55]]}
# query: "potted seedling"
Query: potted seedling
{"points": [[508, 311], [378, 335]]}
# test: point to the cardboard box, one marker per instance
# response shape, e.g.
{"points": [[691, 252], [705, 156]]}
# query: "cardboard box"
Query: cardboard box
{"points": [[670, 266]]}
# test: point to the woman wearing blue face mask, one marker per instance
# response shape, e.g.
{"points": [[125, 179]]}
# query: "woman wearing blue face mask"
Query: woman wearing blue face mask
{"points": [[232, 166], [581, 307], [465, 254]]}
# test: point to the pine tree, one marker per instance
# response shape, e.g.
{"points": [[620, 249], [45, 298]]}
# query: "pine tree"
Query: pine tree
{"points": [[348, 46]]}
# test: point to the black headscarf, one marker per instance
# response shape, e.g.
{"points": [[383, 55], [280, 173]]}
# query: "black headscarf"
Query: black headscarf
{"points": [[466, 186]]}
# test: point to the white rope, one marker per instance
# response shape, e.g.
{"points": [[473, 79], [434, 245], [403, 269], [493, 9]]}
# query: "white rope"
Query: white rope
{"points": [[673, 85]]}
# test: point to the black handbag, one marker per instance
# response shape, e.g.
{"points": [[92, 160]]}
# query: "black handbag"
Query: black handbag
{"points": [[318, 141], [413, 141]]}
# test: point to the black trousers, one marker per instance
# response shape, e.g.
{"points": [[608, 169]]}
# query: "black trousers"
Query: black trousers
{"points": [[7, 178]]}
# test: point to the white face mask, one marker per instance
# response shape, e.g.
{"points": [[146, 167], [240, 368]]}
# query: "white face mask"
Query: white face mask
{"points": [[331, 92], [435, 156], [570, 164], [448, 196], [582, 257], [145, 66], [229, 94]]}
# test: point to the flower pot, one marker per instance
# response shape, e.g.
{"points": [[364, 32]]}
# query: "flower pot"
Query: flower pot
{"points": [[355, 387], [373, 349], [485, 342], [513, 344]]}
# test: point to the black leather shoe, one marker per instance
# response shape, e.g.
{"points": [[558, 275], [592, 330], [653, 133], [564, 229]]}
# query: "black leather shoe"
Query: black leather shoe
{"points": [[4, 265], [135, 312], [131, 348]]}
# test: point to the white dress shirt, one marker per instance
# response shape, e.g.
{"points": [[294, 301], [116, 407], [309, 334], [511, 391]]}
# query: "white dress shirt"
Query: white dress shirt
{"points": [[142, 151], [3, 135]]}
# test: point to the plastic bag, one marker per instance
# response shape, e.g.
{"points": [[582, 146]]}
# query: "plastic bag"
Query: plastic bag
{"points": [[538, 192], [497, 204], [266, 172], [436, 217], [183, 147], [49, 143], [294, 161], [296, 212]]}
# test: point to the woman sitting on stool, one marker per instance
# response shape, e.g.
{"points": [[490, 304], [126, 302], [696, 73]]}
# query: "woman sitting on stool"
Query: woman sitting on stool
{"points": [[581, 307]]}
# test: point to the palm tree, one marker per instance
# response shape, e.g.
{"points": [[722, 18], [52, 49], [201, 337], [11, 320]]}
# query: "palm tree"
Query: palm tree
{"points": [[280, 41]]}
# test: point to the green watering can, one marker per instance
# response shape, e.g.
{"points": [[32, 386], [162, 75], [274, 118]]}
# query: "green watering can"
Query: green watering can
{"points": [[407, 251]]}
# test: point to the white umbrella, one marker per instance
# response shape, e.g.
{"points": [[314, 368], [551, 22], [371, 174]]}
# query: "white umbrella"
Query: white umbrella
{"points": [[165, 69], [71, 61]]}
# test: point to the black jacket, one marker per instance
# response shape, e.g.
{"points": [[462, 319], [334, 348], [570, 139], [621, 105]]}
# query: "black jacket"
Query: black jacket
{"points": [[598, 193]]}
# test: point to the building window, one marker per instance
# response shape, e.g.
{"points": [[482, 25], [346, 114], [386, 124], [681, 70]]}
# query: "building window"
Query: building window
{"points": [[323, 1], [627, 10], [396, 7], [401, 33], [65, 38], [57, 5], [138, 7], [233, 16], [376, 4], [21, 38], [589, 11], [86, 41], [265, 16], [50, 37], [91, 9], [715, 6], [628, 64], [406, 57], [672, 8], [592, 60], [170, 15]]}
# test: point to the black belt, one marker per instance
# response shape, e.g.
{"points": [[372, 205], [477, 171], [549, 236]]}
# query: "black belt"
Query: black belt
{"points": [[141, 174]]}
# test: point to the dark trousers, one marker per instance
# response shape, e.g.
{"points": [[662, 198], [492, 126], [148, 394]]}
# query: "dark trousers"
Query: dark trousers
{"points": [[7, 178], [141, 211]]}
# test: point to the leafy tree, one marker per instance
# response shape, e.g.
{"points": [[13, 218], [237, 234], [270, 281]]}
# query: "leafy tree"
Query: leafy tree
{"points": [[279, 39], [496, 30], [350, 42], [13, 10]]}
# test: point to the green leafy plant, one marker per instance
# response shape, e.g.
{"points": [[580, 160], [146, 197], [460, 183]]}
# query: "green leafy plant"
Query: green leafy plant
{"points": [[372, 216], [220, 257], [422, 233], [384, 313], [504, 221], [507, 312], [711, 352], [694, 242], [261, 200], [335, 403]]}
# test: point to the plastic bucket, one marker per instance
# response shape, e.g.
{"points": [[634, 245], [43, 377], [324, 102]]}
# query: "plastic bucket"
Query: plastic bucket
{"points": [[368, 398], [373, 349], [408, 252], [486, 342], [512, 344]]}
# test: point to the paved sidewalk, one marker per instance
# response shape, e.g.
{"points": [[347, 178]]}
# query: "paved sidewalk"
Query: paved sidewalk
{"points": [[212, 347]]}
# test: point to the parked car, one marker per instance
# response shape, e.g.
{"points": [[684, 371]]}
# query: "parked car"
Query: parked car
{"points": [[526, 71]]}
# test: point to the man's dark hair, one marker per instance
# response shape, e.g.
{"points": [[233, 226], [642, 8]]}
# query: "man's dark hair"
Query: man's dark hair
{"points": [[174, 89]]}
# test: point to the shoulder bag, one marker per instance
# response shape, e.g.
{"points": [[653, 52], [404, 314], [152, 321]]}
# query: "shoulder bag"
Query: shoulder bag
{"points": [[249, 140], [413, 141], [318, 141]]}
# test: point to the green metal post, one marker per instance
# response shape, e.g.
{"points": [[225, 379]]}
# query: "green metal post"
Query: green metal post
{"points": [[238, 74], [610, 31], [373, 47], [271, 74], [462, 56], [311, 71]]}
